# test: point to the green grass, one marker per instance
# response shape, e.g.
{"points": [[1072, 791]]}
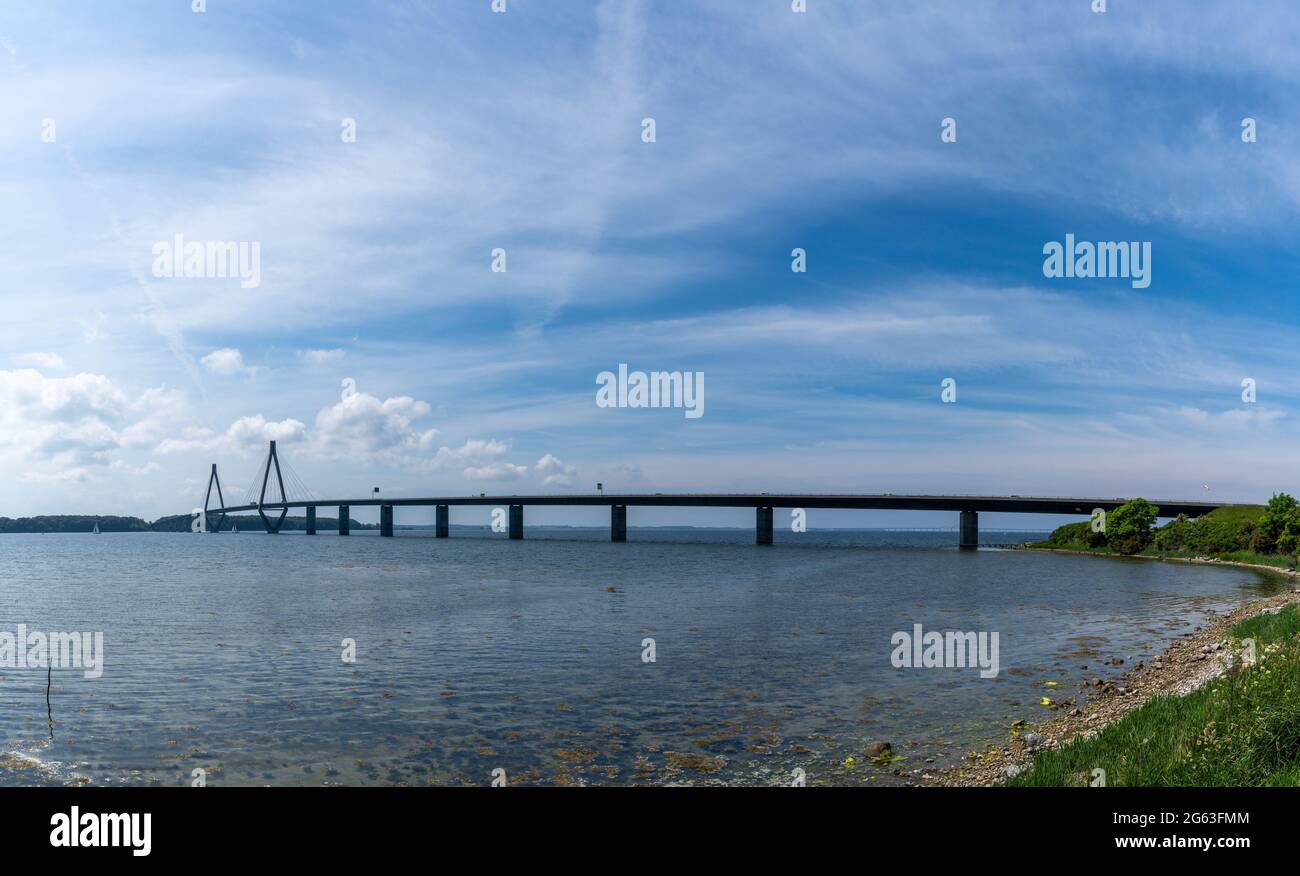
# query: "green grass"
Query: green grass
{"points": [[1265, 629], [1282, 561], [1236, 516], [1239, 730]]}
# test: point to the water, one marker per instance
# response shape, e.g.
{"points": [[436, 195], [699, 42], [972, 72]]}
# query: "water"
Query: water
{"points": [[225, 653]]}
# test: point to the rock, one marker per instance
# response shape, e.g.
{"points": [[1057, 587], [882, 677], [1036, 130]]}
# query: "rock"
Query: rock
{"points": [[1034, 740], [879, 749], [1012, 770], [1096, 682], [1074, 713], [1157, 665], [1121, 690]]}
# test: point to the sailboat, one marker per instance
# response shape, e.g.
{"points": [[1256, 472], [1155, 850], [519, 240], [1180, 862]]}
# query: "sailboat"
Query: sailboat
{"points": [[96, 527], [234, 527]]}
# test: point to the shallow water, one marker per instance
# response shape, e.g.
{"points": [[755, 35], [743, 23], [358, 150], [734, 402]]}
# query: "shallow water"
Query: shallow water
{"points": [[224, 653]]}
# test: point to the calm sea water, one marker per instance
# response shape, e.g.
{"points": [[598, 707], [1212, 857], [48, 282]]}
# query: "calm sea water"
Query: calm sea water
{"points": [[224, 652]]}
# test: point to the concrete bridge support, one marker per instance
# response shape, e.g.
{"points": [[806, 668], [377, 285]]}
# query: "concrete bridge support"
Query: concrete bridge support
{"points": [[970, 530], [763, 525], [618, 523], [516, 522], [311, 519], [386, 521], [442, 525], [344, 522]]}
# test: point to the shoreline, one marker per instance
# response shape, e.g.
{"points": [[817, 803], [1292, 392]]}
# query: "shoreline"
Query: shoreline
{"points": [[1182, 667]]}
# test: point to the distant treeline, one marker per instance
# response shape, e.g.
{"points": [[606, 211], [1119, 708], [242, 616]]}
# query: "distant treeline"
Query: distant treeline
{"points": [[72, 523], [173, 523], [252, 523]]}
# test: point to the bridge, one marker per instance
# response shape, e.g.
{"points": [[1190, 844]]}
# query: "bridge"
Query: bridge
{"points": [[272, 497]]}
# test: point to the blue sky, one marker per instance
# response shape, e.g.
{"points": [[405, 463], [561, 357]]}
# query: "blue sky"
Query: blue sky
{"points": [[522, 131]]}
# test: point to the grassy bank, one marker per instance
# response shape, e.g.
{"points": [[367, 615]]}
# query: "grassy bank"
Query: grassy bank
{"points": [[1240, 729], [1259, 535]]}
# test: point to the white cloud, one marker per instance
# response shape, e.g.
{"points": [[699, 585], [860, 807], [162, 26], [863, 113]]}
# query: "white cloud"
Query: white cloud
{"points": [[47, 361], [480, 460], [322, 357], [242, 436], [497, 471], [69, 475], [361, 426], [69, 425], [556, 473], [471, 452], [227, 362]]}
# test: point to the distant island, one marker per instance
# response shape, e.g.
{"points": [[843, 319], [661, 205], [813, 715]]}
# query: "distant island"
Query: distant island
{"points": [[173, 523]]}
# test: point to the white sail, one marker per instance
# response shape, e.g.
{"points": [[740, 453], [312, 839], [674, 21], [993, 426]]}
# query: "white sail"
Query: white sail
{"points": [[96, 527]]}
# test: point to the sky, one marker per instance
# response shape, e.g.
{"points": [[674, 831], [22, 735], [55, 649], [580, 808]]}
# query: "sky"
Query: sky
{"points": [[380, 348]]}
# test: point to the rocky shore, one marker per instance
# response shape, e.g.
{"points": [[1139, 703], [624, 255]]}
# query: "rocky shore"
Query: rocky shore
{"points": [[1184, 666]]}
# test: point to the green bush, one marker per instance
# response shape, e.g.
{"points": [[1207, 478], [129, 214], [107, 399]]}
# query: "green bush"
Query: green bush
{"points": [[1261, 543], [1076, 535], [1280, 512], [1128, 527], [1257, 530]]}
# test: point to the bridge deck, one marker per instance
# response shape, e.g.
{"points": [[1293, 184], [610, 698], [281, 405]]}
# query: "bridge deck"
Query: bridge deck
{"points": [[878, 501]]}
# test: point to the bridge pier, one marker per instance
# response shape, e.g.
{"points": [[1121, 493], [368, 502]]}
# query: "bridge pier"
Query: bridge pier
{"points": [[970, 530], [763, 524], [311, 519], [618, 523], [516, 522], [442, 527], [344, 522], [386, 521]]}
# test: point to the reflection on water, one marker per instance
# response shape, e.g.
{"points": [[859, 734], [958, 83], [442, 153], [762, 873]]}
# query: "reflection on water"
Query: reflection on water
{"points": [[224, 653]]}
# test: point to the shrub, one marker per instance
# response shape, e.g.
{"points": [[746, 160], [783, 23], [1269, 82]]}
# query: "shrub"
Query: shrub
{"points": [[1289, 541], [1128, 527], [1261, 543], [1130, 544], [1280, 511], [1076, 535], [1174, 535]]}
